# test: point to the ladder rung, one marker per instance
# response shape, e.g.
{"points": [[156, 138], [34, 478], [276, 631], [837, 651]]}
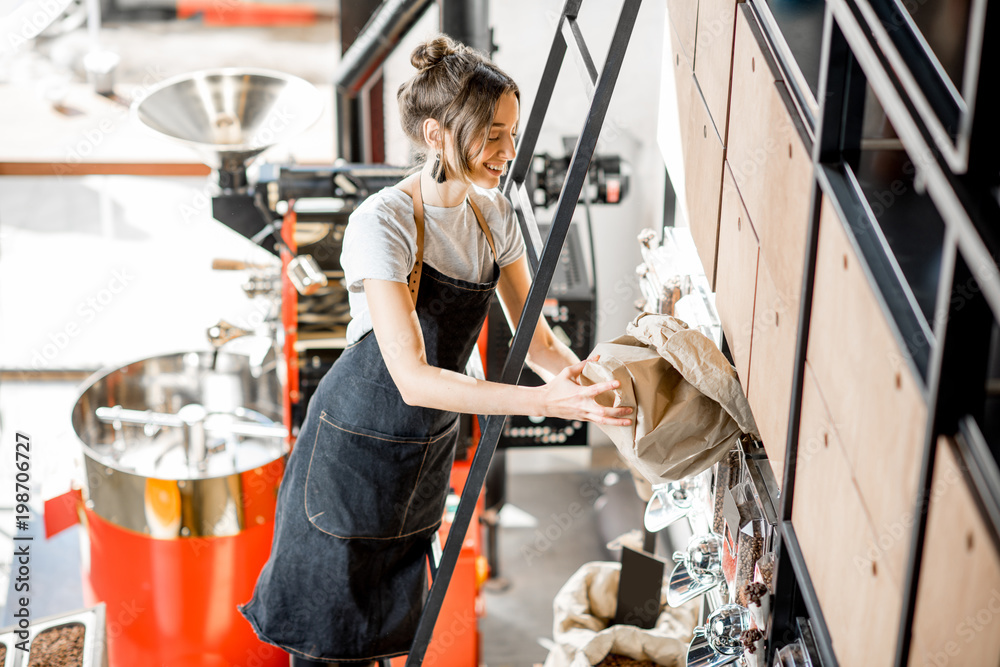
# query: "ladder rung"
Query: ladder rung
{"points": [[529, 225], [578, 45]]}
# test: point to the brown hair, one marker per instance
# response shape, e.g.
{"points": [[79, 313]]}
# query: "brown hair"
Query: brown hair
{"points": [[459, 88]]}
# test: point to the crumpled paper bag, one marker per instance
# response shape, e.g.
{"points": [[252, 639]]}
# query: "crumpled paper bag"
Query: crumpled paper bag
{"points": [[689, 407], [585, 606]]}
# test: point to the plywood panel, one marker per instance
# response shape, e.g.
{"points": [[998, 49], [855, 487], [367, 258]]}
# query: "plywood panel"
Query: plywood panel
{"points": [[957, 619], [683, 16], [714, 57], [703, 157], [874, 399], [861, 603], [683, 81], [772, 361], [736, 281], [771, 165]]}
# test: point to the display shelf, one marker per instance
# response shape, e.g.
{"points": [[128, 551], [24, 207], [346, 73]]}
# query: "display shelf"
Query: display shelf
{"points": [[790, 550], [911, 328], [972, 211], [911, 231], [935, 50], [920, 242], [983, 471], [796, 33]]}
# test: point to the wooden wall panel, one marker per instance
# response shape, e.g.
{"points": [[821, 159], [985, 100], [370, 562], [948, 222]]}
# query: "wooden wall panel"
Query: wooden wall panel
{"points": [[714, 57], [683, 16], [772, 360], [684, 83], [957, 619], [703, 158], [861, 603], [736, 282], [770, 163], [874, 399], [703, 155]]}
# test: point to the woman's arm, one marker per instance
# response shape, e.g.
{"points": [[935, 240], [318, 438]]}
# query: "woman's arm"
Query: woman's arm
{"points": [[402, 344], [547, 355]]}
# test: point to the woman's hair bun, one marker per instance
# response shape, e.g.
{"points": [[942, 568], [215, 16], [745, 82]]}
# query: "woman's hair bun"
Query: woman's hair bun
{"points": [[433, 51]]}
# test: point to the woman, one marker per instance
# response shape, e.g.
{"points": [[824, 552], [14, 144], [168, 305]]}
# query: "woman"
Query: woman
{"points": [[366, 482]]}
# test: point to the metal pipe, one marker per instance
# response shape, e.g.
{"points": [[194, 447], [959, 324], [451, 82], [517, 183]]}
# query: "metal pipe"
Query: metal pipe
{"points": [[380, 36], [468, 21]]}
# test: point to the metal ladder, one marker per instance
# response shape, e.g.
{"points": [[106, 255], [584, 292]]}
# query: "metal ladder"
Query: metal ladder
{"points": [[600, 86]]}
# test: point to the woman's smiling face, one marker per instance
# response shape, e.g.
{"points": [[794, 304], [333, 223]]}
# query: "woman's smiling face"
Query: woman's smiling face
{"points": [[491, 161]]}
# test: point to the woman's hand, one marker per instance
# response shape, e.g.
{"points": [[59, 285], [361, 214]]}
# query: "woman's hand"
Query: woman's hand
{"points": [[563, 397]]}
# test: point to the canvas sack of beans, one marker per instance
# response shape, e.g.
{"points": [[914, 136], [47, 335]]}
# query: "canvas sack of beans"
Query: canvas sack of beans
{"points": [[584, 608], [689, 407]]}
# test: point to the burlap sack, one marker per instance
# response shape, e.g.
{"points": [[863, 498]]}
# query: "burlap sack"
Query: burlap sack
{"points": [[585, 606], [689, 406]]}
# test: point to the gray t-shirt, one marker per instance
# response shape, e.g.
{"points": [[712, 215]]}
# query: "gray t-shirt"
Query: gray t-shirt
{"points": [[380, 243]]}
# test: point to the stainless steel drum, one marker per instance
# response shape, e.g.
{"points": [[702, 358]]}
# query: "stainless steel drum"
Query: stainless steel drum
{"points": [[165, 441], [184, 454]]}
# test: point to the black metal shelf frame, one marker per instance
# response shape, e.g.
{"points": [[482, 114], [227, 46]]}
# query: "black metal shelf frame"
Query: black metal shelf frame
{"points": [[805, 102], [911, 331], [543, 264], [972, 212], [945, 112], [949, 353], [790, 552], [982, 470]]}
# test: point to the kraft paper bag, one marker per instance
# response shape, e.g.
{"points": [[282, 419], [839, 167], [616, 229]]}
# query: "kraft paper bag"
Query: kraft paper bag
{"points": [[584, 609], [689, 407]]}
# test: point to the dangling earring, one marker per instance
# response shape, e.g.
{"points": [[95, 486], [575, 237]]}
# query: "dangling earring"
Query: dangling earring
{"points": [[439, 170]]}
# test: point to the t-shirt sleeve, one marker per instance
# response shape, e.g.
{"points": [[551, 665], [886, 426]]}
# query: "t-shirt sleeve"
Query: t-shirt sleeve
{"points": [[510, 244], [377, 245]]}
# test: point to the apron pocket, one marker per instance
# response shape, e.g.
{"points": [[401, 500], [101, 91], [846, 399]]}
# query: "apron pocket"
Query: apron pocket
{"points": [[362, 484]]}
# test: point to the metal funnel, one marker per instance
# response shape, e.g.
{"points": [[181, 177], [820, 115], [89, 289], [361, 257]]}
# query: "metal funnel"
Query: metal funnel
{"points": [[230, 116]]}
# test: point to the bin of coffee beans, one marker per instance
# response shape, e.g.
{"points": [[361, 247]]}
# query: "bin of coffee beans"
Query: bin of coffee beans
{"points": [[74, 639], [60, 646], [748, 551], [765, 570]]}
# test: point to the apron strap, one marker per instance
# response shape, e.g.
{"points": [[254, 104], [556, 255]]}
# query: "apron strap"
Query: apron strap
{"points": [[486, 228], [418, 218]]}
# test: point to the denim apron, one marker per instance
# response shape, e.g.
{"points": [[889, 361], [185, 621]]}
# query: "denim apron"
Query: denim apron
{"points": [[365, 488]]}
